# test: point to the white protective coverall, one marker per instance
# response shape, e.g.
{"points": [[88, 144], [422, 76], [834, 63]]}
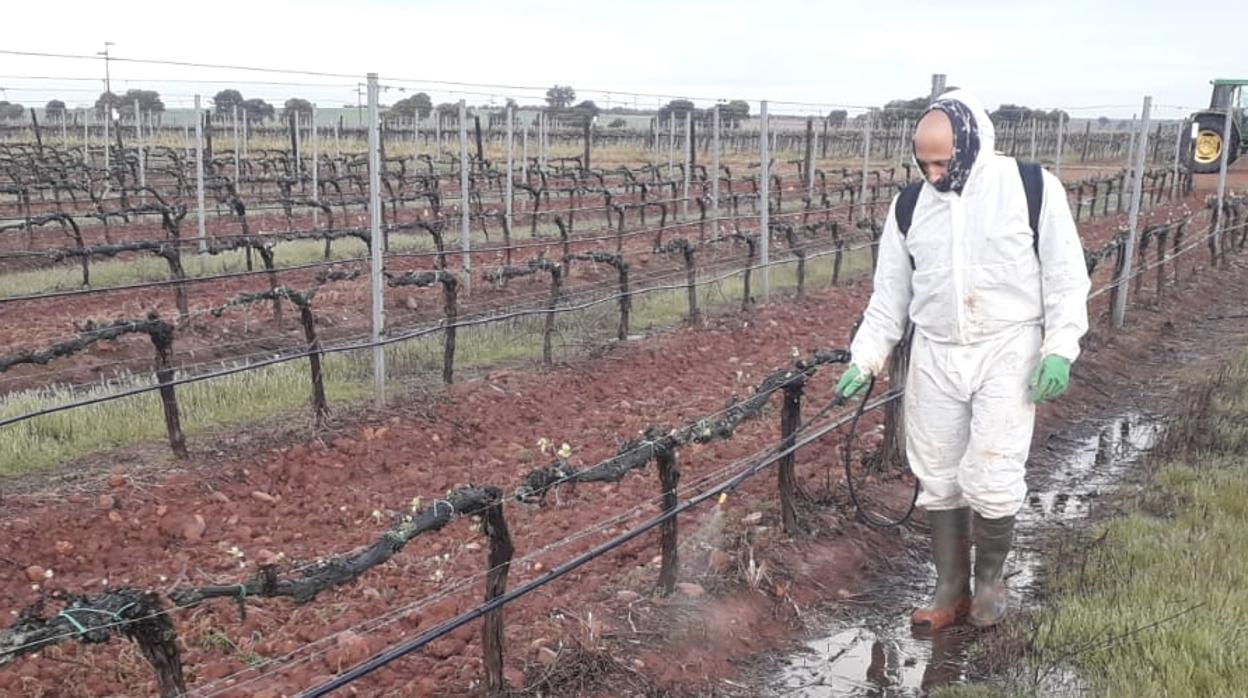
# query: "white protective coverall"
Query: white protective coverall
{"points": [[986, 308]]}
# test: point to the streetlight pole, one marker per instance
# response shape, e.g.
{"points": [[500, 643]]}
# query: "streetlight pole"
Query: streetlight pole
{"points": [[108, 102], [108, 85]]}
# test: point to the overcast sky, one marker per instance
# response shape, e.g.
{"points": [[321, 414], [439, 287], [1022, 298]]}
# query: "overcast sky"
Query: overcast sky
{"points": [[1059, 53]]}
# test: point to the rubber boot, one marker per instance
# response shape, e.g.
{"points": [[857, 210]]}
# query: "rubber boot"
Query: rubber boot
{"points": [[992, 545], [951, 551]]}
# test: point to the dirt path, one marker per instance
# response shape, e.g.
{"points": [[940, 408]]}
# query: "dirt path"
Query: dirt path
{"points": [[750, 590], [182, 527], [1122, 396]]}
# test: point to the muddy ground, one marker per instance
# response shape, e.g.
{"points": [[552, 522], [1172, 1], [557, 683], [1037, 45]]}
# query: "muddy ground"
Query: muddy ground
{"points": [[601, 630], [147, 533], [1126, 389]]}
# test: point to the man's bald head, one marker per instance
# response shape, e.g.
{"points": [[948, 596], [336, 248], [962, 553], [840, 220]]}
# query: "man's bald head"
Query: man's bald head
{"points": [[933, 144]]}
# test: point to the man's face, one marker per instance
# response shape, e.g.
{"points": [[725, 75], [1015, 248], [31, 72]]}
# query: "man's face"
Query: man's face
{"points": [[933, 145]]}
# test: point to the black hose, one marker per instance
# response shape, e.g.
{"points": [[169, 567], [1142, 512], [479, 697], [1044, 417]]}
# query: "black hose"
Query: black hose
{"points": [[767, 457], [864, 514], [410, 645]]}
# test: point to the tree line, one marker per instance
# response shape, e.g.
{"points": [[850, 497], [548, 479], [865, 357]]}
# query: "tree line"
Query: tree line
{"points": [[560, 105]]}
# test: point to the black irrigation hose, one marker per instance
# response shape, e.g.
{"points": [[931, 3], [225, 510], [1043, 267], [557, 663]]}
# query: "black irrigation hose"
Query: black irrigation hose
{"points": [[865, 514], [408, 646]]}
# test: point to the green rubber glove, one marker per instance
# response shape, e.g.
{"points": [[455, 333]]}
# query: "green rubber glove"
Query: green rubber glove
{"points": [[1051, 378], [852, 382]]}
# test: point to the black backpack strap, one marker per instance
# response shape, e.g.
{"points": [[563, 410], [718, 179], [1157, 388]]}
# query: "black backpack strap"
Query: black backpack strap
{"points": [[1033, 187], [907, 199]]}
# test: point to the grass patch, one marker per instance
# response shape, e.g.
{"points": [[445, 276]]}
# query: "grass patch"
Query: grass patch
{"points": [[968, 691], [284, 389], [1157, 607]]}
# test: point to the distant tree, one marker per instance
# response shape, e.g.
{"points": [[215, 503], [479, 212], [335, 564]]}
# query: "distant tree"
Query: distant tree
{"points": [[588, 109], [55, 109], [448, 113], [417, 105], [898, 110], [1057, 115], [224, 101], [106, 102], [1018, 114], [1011, 114], [617, 123], [149, 102], [580, 114], [1102, 121], [837, 118], [296, 105], [11, 110], [257, 109], [734, 113], [676, 108], [560, 96], [423, 104]]}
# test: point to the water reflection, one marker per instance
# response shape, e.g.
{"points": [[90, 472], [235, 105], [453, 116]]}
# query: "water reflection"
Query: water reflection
{"points": [[876, 654]]}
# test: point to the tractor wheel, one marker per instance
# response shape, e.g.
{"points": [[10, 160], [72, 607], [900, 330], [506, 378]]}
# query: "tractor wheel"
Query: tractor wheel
{"points": [[1204, 152]]}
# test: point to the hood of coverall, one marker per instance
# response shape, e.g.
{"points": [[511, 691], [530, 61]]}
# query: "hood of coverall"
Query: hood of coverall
{"points": [[974, 136]]}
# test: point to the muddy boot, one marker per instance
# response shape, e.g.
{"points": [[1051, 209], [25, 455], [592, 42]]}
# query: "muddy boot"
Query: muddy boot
{"points": [[951, 551], [992, 545]]}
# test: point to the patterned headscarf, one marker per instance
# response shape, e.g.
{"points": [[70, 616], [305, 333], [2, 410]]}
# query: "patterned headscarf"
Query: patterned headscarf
{"points": [[965, 144]]}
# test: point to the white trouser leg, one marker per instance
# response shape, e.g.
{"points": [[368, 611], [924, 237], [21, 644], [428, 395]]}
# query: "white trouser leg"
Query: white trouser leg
{"points": [[969, 420], [938, 419], [1003, 417]]}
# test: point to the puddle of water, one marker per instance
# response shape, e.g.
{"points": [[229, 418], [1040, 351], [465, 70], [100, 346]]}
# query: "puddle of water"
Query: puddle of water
{"points": [[876, 654], [875, 662], [1070, 490]]}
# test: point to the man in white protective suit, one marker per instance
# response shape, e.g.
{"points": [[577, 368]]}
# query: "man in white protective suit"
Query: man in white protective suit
{"points": [[987, 264]]}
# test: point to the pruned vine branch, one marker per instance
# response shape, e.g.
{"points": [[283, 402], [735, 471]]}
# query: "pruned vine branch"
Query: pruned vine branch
{"points": [[89, 334], [636, 453], [342, 569]]}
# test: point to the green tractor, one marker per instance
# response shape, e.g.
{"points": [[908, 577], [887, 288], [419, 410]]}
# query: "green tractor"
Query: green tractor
{"points": [[1203, 150]]}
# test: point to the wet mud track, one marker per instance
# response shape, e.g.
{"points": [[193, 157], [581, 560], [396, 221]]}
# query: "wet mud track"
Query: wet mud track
{"points": [[1084, 452], [878, 654]]}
